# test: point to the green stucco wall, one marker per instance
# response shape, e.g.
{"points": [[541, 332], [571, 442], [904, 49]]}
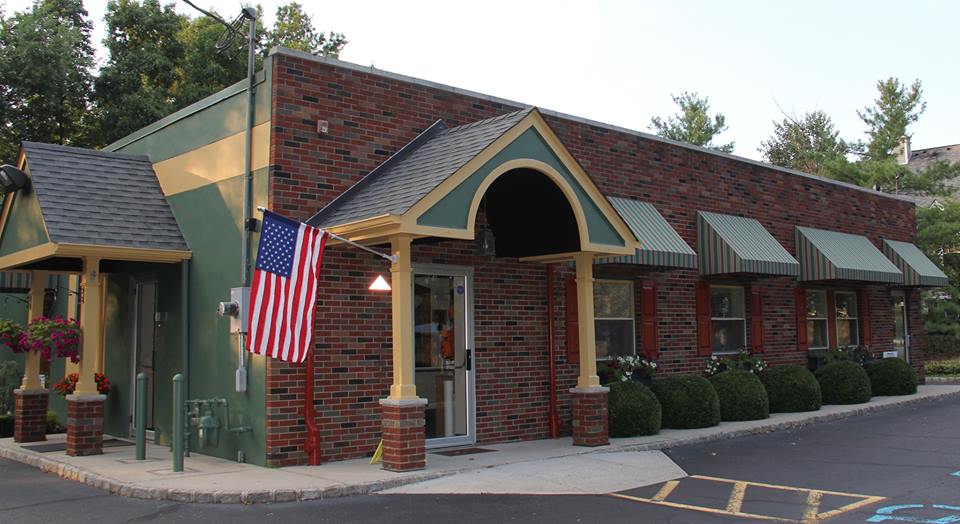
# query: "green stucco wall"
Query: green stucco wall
{"points": [[24, 228], [453, 210]]}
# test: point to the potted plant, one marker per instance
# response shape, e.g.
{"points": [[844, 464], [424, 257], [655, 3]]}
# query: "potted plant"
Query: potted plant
{"points": [[631, 367], [53, 337], [11, 334], [742, 360], [69, 384]]}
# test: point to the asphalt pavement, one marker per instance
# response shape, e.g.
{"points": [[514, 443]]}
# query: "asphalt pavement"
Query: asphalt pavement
{"points": [[901, 465]]}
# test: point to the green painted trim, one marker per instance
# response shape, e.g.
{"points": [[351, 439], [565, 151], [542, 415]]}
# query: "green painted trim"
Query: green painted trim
{"points": [[204, 122], [25, 226], [453, 210]]}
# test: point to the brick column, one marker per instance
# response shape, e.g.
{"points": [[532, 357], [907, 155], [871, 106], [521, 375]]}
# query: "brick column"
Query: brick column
{"points": [[30, 415], [589, 410], [85, 425], [404, 434]]}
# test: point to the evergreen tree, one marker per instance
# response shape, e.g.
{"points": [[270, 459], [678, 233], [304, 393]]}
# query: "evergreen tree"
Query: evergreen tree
{"points": [[693, 124], [294, 29], [45, 62], [804, 144], [896, 107]]}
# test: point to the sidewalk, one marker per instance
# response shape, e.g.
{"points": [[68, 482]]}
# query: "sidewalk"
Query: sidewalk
{"points": [[212, 480]]}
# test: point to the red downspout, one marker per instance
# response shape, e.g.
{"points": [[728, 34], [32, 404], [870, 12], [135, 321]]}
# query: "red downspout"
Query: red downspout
{"points": [[554, 416], [312, 445]]}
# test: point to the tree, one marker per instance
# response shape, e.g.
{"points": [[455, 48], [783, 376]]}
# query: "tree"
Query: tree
{"points": [[294, 29], [890, 176], [136, 86], [896, 107], [804, 144], [45, 62], [693, 124], [938, 235]]}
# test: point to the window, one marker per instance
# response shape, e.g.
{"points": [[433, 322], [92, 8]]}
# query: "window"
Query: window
{"points": [[848, 329], [613, 317], [817, 319], [728, 326]]}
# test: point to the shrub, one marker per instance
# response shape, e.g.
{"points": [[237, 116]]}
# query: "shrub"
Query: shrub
{"points": [[844, 382], [9, 381], [892, 376], [791, 389], [6, 426], [634, 410], [687, 402], [943, 367], [741, 394], [742, 360], [53, 423]]}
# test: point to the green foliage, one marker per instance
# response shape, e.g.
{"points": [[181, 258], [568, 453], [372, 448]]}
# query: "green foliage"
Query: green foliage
{"points": [[941, 368], [892, 376], [6, 426], [742, 360], [693, 124], [45, 63], [53, 423], [294, 29], [844, 382], [9, 380], [742, 395], [687, 402], [806, 144], [896, 107], [791, 389], [633, 410], [858, 354]]}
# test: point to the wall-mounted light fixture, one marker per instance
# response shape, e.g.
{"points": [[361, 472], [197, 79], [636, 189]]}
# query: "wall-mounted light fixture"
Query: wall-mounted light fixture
{"points": [[380, 284], [486, 242], [11, 178]]}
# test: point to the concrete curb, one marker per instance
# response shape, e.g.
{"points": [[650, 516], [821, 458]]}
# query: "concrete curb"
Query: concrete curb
{"points": [[117, 487]]}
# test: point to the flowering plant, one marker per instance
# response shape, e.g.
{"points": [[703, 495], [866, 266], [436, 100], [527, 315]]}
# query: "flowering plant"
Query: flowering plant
{"points": [[626, 368], [69, 384], [859, 354], [53, 337], [10, 333], [741, 360]]}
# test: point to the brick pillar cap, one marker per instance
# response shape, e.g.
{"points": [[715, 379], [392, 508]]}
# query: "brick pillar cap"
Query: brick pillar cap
{"points": [[403, 402], [86, 398], [593, 390], [19, 391]]}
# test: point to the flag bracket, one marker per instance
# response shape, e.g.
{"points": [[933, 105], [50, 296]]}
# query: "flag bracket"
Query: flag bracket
{"points": [[392, 258]]}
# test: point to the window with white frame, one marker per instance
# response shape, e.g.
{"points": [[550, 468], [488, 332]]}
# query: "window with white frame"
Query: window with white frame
{"points": [[614, 318], [817, 320], [848, 327], [728, 323]]}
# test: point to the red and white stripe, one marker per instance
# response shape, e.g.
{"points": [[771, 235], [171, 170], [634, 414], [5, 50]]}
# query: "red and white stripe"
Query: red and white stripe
{"points": [[281, 317]]}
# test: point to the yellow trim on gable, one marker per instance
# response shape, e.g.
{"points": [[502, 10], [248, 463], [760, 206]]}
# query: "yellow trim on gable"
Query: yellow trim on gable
{"points": [[52, 249], [214, 162], [33, 254]]}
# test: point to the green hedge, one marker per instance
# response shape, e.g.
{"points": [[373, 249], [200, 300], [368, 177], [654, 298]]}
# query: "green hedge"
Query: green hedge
{"points": [[742, 395], [687, 402], [791, 389], [633, 410], [6, 426], [892, 376], [943, 367], [844, 383]]}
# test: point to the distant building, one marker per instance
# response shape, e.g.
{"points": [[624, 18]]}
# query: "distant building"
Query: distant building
{"points": [[921, 159]]}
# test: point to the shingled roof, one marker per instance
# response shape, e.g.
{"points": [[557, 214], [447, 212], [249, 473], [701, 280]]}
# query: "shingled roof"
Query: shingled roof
{"points": [[101, 198], [921, 159], [419, 167]]}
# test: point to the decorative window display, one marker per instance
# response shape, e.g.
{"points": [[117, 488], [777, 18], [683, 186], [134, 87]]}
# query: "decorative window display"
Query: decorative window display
{"points": [[817, 318], [728, 322]]}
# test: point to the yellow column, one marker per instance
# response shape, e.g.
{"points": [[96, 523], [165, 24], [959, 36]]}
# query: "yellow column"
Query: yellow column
{"points": [[91, 325], [73, 285], [588, 344], [31, 368], [401, 272]]}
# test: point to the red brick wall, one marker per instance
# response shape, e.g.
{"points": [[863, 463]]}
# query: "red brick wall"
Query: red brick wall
{"points": [[371, 117]]}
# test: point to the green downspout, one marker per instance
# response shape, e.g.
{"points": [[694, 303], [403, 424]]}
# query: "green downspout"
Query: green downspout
{"points": [[185, 323]]}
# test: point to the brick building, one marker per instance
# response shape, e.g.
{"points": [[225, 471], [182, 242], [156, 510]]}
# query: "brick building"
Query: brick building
{"points": [[532, 247]]}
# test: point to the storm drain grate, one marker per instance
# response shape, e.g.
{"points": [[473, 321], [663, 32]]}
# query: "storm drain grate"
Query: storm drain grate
{"points": [[464, 451]]}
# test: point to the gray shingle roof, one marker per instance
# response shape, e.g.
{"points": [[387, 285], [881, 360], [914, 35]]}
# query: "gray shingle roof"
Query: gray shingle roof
{"points": [[101, 198], [420, 166], [922, 158]]}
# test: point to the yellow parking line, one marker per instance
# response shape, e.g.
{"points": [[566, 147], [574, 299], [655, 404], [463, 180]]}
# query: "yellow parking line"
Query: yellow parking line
{"points": [[665, 491], [736, 497], [813, 506], [779, 486], [701, 508], [850, 507]]}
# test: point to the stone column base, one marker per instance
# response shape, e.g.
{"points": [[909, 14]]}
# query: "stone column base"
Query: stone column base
{"points": [[589, 421], [30, 415], [404, 436], [85, 425]]}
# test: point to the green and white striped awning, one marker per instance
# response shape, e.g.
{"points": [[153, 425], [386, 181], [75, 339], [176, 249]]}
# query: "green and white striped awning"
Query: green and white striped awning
{"points": [[830, 255], [19, 281], [918, 270], [731, 244], [660, 245]]}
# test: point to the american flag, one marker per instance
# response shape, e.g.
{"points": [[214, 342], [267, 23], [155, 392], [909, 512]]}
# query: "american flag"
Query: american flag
{"points": [[284, 292]]}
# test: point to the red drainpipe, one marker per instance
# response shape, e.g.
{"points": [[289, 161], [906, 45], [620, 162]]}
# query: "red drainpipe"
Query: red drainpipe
{"points": [[554, 416], [312, 445]]}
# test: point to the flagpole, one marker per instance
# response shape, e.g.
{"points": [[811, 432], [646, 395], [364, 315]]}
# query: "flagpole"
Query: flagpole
{"points": [[391, 258]]}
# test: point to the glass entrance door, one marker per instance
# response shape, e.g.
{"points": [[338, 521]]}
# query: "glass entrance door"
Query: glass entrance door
{"points": [[901, 332], [443, 354], [144, 344]]}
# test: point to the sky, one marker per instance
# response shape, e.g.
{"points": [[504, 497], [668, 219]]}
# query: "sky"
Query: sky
{"points": [[618, 62]]}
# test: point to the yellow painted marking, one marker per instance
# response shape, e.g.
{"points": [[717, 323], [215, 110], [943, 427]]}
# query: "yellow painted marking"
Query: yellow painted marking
{"points": [[813, 506], [738, 490], [378, 454], [736, 497], [666, 490]]}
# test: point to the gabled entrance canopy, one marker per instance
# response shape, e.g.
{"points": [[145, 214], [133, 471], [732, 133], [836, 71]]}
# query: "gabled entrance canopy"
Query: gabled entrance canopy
{"points": [[433, 187]]}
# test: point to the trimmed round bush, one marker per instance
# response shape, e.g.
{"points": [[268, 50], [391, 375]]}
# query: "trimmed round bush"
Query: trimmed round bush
{"points": [[741, 394], [791, 389], [892, 376], [844, 382], [687, 402], [633, 410]]}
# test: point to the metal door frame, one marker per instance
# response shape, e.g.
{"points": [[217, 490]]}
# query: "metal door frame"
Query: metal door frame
{"points": [[906, 319], [135, 282]]}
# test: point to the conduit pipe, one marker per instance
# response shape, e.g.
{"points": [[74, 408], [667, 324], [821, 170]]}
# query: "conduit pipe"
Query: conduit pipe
{"points": [[554, 416]]}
